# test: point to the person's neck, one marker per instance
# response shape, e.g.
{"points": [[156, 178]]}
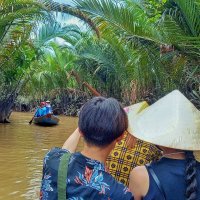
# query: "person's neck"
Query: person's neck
{"points": [[96, 153], [174, 154]]}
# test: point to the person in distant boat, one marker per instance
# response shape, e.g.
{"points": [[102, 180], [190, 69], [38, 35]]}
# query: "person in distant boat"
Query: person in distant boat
{"points": [[41, 111], [172, 123], [102, 122], [48, 108]]}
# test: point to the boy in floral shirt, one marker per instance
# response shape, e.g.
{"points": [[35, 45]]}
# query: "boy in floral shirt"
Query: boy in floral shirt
{"points": [[102, 123]]}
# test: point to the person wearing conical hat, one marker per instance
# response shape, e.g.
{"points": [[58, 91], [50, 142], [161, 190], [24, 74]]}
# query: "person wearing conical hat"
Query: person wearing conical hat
{"points": [[173, 124], [129, 153]]}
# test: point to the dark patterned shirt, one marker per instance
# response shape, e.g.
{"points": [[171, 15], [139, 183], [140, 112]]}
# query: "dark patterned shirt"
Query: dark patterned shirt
{"points": [[86, 179]]}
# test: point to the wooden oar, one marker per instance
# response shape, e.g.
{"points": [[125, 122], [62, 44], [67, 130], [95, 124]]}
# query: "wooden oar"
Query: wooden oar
{"points": [[31, 120], [33, 117]]}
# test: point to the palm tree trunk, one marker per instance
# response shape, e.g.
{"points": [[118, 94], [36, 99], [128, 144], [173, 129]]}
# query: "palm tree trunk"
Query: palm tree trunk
{"points": [[6, 108], [91, 89], [7, 103]]}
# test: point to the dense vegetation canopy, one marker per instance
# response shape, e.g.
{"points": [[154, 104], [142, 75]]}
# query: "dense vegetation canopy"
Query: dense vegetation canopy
{"points": [[132, 50]]}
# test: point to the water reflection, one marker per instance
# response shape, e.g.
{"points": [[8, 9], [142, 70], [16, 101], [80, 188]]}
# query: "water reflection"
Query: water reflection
{"points": [[22, 148]]}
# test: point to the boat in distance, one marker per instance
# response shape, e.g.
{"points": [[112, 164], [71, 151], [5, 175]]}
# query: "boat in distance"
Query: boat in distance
{"points": [[46, 120]]}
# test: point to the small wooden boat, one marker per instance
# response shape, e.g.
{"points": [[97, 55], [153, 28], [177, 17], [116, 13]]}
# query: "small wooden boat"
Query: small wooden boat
{"points": [[48, 119]]}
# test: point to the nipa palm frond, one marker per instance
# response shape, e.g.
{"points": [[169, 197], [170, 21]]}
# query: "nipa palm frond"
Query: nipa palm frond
{"points": [[64, 8]]}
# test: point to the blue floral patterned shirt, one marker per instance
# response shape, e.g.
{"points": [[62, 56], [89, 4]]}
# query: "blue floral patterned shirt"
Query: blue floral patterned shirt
{"points": [[86, 179]]}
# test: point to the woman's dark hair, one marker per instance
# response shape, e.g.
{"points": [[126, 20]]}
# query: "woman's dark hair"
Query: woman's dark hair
{"points": [[191, 174], [102, 120]]}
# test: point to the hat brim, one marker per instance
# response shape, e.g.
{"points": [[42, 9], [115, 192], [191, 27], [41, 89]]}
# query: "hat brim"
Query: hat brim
{"points": [[132, 112], [171, 122]]}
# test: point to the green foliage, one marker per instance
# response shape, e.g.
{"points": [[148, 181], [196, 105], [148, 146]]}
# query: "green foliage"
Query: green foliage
{"points": [[144, 29], [139, 48], [57, 58]]}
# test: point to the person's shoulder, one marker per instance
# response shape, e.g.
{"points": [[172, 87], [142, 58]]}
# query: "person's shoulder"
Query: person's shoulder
{"points": [[139, 181], [140, 173], [56, 151], [55, 154]]}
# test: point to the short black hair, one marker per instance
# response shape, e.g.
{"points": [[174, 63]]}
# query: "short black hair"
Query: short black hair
{"points": [[102, 120]]}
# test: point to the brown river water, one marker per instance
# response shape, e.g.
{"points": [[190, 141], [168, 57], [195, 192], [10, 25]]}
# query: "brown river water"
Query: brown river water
{"points": [[22, 148]]}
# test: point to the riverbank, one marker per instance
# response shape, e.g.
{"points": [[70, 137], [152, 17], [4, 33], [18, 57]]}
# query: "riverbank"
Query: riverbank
{"points": [[68, 104]]}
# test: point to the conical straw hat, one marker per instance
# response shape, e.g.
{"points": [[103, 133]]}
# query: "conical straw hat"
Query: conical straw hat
{"points": [[135, 109], [173, 121]]}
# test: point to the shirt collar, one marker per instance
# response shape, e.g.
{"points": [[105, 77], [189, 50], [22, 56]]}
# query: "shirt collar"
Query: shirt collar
{"points": [[94, 164]]}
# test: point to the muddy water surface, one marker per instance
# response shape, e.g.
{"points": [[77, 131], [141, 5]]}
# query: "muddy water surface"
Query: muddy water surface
{"points": [[22, 148]]}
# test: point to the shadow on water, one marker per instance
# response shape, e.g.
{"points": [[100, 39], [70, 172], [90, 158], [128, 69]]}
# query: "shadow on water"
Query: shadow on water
{"points": [[22, 148]]}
